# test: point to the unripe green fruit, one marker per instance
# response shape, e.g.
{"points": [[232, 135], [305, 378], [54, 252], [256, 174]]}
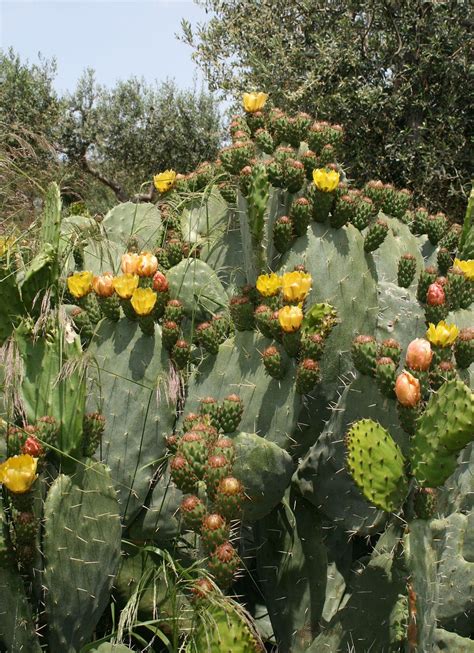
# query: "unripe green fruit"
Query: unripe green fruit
{"points": [[406, 270]]}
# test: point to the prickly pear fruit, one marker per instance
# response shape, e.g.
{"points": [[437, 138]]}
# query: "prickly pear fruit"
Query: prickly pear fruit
{"points": [[376, 464], [406, 270], [229, 497], [223, 563], [307, 375], [364, 354], [312, 345], [93, 428], [390, 348], [283, 236], [182, 474], [170, 334], [442, 372], [343, 212], [192, 511], [263, 316], [207, 337], [210, 407], [230, 413], [464, 348], [241, 312], [300, 214], [174, 311], [376, 234], [436, 226], [426, 278], [273, 363], [217, 468], [47, 430], [214, 531], [181, 354], [385, 373], [225, 447], [194, 447]]}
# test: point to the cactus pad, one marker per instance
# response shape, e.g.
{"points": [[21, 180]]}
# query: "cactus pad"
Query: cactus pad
{"points": [[444, 429], [376, 464]]}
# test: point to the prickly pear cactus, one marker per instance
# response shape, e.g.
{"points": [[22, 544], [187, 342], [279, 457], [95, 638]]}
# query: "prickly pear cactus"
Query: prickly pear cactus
{"points": [[291, 566], [53, 383], [376, 464], [82, 552], [132, 385], [444, 429]]}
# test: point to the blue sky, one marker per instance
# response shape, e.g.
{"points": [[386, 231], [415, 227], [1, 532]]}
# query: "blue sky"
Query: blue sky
{"points": [[117, 38]]}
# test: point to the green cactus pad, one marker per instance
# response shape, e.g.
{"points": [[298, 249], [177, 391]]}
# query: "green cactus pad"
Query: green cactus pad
{"points": [[82, 552], [264, 469], [291, 565], [17, 631], [322, 477], [376, 464], [130, 386], [197, 285], [444, 429], [271, 406]]}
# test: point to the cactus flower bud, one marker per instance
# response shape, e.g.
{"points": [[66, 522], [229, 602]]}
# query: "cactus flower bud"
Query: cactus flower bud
{"points": [[435, 295], [129, 263], [160, 282], [103, 285], [147, 264], [32, 447], [407, 389], [419, 354]]}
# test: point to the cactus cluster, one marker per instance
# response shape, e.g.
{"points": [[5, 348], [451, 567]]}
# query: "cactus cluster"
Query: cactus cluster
{"points": [[258, 385]]}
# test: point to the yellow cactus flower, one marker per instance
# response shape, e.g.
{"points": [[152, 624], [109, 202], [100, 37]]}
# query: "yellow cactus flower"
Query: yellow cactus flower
{"points": [[290, 318], [6, 244], [125, 285], [147, 264], [295, 286], [143, 301], [80, 284], [18, 473], [326, 180], [254, 101], [442, 334], [268, 285], [465, 266], [164, 181]]}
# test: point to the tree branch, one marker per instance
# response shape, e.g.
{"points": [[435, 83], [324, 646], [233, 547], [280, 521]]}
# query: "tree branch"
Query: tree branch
{"points": [[111, 183]]}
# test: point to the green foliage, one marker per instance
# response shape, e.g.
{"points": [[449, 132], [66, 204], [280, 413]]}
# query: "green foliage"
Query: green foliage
{"points": [[130, 132], [53, 384], [395, 102]]}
